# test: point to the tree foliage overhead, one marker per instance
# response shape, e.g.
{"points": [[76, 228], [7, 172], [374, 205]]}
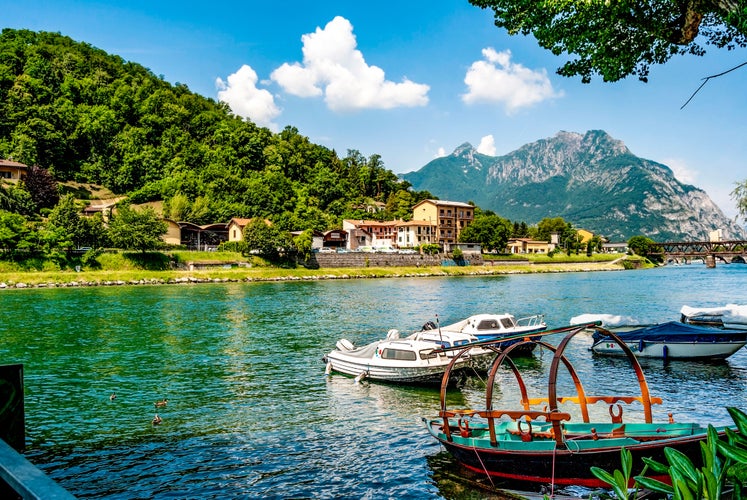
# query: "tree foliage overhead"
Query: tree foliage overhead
{"points": [[618, 38], [84, 115]]}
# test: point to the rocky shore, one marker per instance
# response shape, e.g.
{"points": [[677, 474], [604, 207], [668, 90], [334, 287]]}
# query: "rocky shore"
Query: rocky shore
{"points": [[34, 282]]}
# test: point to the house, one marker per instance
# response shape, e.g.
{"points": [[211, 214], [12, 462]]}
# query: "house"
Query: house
{"points": [[415, 233], [370, 233], [12, 170], [173, 235], [335, 238], [205, 237], [584, 236], [528, 245], [449, 218], [468, 248], [236, 227]]}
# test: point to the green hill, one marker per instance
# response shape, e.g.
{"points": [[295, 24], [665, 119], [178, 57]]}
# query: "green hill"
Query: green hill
{"points": [[90, 117]]}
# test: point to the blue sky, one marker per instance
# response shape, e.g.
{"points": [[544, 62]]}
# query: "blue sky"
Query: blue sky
{"points": [[412, 80]]}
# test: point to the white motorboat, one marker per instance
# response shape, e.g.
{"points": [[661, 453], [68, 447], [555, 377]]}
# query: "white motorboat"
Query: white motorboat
{"points": [[420, 358], [493, 327]]}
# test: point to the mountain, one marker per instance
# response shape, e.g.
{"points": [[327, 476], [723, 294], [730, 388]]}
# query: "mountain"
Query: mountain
{"points": [[591, 180]]}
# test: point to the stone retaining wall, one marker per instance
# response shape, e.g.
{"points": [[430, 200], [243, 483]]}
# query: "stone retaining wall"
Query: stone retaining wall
{"points": [[373, 259]]}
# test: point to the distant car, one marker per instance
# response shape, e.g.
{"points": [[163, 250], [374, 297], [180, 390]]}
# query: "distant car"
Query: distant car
{"points": [[407, 251], [327, 250], [386, 250]]}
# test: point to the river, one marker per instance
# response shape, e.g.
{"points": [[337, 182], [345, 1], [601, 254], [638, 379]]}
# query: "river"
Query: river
{"points": [[250, 413]]}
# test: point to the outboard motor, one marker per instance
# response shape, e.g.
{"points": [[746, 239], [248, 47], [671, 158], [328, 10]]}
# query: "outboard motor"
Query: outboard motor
{"points": [[430, 325], [344, 345]]}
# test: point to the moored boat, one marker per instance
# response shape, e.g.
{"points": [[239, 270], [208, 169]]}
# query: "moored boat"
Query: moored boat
{"points": [[494, 327], [538, 443], [672, 340], [420, 358]]}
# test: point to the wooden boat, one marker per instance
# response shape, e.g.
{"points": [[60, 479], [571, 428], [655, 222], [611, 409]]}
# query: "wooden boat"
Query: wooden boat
{"points": [[672, 340], [501, 327], [419, 358], [543, 446]]}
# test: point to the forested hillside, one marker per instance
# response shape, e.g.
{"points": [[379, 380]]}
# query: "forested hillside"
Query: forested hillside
{"points": [[91, 117]]}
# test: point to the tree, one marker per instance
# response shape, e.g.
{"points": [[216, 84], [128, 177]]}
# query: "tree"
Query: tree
{"points": [[490, 231], [132, 229], [42, 187], [13, 231], [267, 240], [645, 247], [64, 221], [740, 196], [303, 243], [623, 37]]}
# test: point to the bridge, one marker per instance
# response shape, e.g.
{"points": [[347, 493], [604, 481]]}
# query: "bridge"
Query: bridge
{"points": [[709, 251]]}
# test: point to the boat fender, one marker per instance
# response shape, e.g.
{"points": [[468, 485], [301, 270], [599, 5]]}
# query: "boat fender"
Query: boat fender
{"points": [[360, 377], [464, 429], [641, 345], [344, 345], [616, 419], [665, 352], [526, 436], [594, 434], [328, 370], [671, 418]]}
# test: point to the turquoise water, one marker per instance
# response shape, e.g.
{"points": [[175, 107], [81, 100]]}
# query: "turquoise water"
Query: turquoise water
{"points": [[250, 413]]}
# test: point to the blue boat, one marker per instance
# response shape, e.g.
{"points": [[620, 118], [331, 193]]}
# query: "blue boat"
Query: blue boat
{"points": [[672, 340]]}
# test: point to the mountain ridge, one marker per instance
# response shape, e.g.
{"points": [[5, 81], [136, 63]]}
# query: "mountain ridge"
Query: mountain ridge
{"points": [[591, 180]]}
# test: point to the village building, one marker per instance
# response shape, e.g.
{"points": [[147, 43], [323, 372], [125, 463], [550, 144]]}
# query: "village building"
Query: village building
{"points": [[528, 246], [12, 171], [370, 233], [449, 218], [415, 233]]}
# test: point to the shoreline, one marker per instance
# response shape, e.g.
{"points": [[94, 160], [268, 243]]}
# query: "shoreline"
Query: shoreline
{"points": [[71, 279]]}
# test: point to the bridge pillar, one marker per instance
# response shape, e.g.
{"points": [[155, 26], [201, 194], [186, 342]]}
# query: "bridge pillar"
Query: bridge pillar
{"points": [[710, 261]]}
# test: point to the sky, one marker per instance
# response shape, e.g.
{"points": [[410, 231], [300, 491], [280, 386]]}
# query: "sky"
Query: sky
{"points": [[412, 80]]}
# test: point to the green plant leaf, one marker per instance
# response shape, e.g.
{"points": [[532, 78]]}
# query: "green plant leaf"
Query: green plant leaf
{"points": [[740, 419], [739, 455], [657, 467], [654, 485], [681, 484], [627, 463], [680, 462], [619, 487]]}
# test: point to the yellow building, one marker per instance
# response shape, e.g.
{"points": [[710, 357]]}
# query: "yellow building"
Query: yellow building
{"points": [[449, 218], [528, 245], [584, 236]]}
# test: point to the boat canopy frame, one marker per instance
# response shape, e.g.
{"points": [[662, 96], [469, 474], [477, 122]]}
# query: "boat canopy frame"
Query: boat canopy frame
{"points": [[551, 413]]}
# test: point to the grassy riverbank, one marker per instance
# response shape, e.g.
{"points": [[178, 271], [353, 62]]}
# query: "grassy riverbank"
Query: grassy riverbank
{"points": [[174, 267]]}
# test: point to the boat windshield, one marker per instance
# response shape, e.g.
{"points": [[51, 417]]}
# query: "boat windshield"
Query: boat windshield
{"points": [[398, 354]]}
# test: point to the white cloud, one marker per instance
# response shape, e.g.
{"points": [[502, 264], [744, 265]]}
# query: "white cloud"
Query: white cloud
{"points": [[333, 67], [440, 153], [487, 146], [681, 171], [240, 92], [497, 80]]}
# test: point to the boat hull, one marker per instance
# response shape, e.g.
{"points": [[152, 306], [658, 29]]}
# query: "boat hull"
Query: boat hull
{"points": [[548, 463], [671, 350], [426, 374]]}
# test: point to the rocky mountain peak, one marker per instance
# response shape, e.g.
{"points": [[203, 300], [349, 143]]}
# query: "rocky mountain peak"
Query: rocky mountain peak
{"points": [[591, 180]]}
